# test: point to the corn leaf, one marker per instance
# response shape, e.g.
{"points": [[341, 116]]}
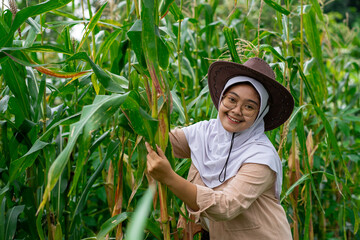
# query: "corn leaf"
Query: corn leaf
{"points": [[11, 221], [302, 140], [2, 216], [92, 24], [113, 146], [316, 6], [104, 78], [15, 80], [135, 230], [19, 165], [24, 14], [229, 35], [277, 7], [110, 224], [313, 38], [165, 7], [92, 116]]}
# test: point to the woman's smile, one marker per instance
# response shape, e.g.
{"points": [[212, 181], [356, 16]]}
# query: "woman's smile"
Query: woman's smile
{"points": [[233, 119]]}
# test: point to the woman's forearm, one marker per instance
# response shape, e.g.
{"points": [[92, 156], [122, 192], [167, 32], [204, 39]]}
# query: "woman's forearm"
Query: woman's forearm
{"points": [[183, 189]]}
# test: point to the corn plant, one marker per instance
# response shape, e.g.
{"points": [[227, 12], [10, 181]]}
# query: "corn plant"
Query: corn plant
{"points": [[83, 85]]}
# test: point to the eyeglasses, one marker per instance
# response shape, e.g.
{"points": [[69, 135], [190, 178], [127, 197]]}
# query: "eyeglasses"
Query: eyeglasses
{"points": [[248, 109]]}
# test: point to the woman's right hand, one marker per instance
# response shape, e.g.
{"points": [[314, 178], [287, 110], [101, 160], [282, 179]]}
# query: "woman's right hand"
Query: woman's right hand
{"points": [[158, 165], [160, 169]]}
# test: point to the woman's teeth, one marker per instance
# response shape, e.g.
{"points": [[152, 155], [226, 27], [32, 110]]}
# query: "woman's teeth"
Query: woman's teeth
{"points": [[233, 119]]}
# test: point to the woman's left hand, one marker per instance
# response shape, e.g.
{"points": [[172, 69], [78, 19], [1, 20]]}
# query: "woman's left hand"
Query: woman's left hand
{"points": [[158, 165]]}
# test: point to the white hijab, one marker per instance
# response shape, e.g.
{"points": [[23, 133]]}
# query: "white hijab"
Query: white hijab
{"points": [[210, 144]]}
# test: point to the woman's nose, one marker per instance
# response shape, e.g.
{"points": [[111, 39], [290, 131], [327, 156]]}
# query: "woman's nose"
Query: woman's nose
{"points": [[237, 110]]}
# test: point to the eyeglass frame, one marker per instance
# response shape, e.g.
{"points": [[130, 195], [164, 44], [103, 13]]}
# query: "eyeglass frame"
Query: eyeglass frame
{"points": [[241, 107]]}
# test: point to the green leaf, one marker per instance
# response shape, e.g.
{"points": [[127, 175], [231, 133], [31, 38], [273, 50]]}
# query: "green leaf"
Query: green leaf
{"points": [[39, 226], [309, 88], [104, 78], [165, 7], [135, 230], [176, 12], [154, 228], [269, 48], [140, 121], [19, 165], [31, 11], [105, 46], [58, 232], [92, 117], [302, 140], [2, 217], [277, 7], [4, 28], [92, 24], [177, 106], [160, 52], [110, 224], [229, 35], [65, 14], [316, 6], [113, 146], [118, 58], [15, 80], [83, 155], [11, 221], [313, 39], [332, 139], [34, 30], [297, 183], [5, 149], [163, 52], [49, 48], [134, 35]]}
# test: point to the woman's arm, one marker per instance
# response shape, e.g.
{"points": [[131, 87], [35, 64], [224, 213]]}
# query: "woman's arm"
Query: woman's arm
{"points": [[179, 143], [160, 169], [237, 196]]}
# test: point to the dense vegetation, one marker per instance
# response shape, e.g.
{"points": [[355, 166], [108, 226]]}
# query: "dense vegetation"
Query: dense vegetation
{"points": [[76, 108]]}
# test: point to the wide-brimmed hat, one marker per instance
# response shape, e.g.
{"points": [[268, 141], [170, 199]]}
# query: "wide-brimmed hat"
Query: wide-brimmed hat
{"points": [[280, 100]]}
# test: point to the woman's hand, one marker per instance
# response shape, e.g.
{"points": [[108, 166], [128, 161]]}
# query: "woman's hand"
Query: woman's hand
{"points": [[160, 169], [158, 165]]}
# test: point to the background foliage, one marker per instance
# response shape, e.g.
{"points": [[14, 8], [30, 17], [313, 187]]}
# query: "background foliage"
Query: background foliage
{"points": [[84, 83]]}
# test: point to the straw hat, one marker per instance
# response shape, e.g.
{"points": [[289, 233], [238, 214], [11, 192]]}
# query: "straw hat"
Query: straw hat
{"points": [[280, 100]]}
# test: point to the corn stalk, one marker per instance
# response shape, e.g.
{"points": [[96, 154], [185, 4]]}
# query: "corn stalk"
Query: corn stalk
{"points": [[150, 23]]}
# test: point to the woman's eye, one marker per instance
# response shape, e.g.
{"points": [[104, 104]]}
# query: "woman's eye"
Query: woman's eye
{"points": [[249, 107], [231, 99]]}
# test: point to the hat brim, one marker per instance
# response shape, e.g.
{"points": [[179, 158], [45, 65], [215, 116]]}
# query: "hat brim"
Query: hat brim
{"points": [[280, 99]]}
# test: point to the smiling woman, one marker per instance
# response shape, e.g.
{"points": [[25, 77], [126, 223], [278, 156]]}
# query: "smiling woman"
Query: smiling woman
{"points": [[234, 183]]}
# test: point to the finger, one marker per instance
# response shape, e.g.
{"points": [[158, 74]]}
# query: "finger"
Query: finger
{"points": [[160, 152], [148, 147], [148, 164]]}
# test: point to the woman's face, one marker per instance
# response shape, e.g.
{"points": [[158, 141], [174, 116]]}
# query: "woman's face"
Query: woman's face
{"points": [[247, 104]]}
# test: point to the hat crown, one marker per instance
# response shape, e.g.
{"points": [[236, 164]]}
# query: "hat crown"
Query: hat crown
{"points": [[260, 66]]}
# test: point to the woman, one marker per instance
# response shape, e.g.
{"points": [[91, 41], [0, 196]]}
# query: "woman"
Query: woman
{"points": [[234, 182]]}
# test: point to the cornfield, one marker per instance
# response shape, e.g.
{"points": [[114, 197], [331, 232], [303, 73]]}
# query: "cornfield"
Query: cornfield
{"points": [[83, 85]]}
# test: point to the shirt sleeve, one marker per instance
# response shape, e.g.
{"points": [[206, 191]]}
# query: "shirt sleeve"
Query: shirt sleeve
{"points": [[179, 143], [239, 193]]}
